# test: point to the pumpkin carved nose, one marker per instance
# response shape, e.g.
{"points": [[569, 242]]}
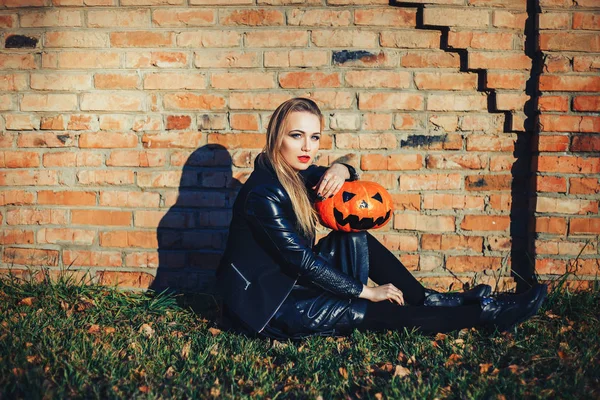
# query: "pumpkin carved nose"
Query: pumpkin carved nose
{"points": [[363, 204]]}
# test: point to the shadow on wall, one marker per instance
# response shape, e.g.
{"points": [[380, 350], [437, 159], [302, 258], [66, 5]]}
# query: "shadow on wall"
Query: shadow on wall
{"points": [[192, 234]]}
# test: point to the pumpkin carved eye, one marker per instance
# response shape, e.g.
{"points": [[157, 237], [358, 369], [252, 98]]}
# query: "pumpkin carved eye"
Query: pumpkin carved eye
{"points": [[378, 197], [347, 196]]}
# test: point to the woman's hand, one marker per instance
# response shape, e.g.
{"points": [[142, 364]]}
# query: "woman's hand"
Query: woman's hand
{"points": [[381, 293], [332, 180]]}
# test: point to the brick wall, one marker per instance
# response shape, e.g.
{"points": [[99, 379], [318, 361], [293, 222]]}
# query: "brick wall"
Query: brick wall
{"points": [[127, 127]]}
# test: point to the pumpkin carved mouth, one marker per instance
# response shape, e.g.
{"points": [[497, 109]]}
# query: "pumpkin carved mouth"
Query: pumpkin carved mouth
{"points": [[359, 223]]}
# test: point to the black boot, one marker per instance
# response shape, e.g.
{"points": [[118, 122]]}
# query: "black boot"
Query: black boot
{"points": [[436, 299], [504, 312]]}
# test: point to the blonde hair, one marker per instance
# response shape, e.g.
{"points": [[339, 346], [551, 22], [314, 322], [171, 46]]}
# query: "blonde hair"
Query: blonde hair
{"points": [[289, 178]]}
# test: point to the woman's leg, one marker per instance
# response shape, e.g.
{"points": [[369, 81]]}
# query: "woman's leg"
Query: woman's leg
{"points": [[383, 316], [384, 268]]}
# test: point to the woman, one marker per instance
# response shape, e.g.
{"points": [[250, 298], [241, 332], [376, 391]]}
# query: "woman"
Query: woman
{"points": [[275, 283]]}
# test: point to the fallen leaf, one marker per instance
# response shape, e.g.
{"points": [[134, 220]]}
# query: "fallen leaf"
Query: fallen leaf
{"points": [[562, 355], [401, 357], [453, 360], [514, 369], [146, 330], [484, 368], [144, 389], [551, 315], [27, 301], [34, 359], [460, 343], [17, 371], [28, 344], [177, 334], [379, 396], [435, 344], [277, 345], [343, 372], [500, 397], [109, 329], [440, 336], [170, 372], [565, 329], [214, 349], [185, 350], [401, 371], [95, 328], [214, 331]]}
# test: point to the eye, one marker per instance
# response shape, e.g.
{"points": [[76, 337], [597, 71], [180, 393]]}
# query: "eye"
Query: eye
{"points": [[378, 198], [295, 135], [346, 196], [316, 137]]}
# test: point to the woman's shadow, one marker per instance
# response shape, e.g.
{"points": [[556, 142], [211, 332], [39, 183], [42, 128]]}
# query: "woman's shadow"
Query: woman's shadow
{"points": [[192, 234]]}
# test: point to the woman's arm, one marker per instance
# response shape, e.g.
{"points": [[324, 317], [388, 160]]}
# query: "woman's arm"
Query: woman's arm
{"points": [[326, 182], [267, 213]]}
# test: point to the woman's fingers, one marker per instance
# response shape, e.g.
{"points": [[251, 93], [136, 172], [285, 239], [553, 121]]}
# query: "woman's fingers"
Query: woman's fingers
{"points": [[329, 185]]}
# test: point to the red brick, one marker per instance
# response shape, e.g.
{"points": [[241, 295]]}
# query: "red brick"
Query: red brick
{"points": [[552, 20], [371, 141], [372, 121], [390, 101], [396, 242], [490, 143], [252, 17], [92, 258], [100, 177], [49, 102], [8, 21], [30, 256], [126, 239], [16, 236], [145, 259], [502, 163], [29, 178], [585, 143], [226, 59], [242, 80], [553, 184], [589, 42], [565, 206], [124, 101], [134, 158], [68, 159], [553, 143], [439, 201], [455, 161], [79, 39], [343, 38], [66, 235], [451, 102], [129, 199], [451, 242], [299, 17], [482, 122], [378, 79], [509, 19], [184, 17], [488, 182], [557, 63], [189, 101], [118, 18], [209, 39], [15, 197], [445, 81], [238, 140], [485, 222], [51, 18], [494, 60], [108, 140], [66, 198], [392, 162], [411, 39], [140, 280], [46, 139], [568, 164], [570, 83], [503, 80], [174, 81], [554, 103], [511, 101], [389, 16], [80, 60], [101, 217], [297, 80], [441, 16], [116, 81], [147, 123], [586, 103], [582, 186], [158, 59], [586, 63], [584, 226], [82, 122], [173, 140], [552, 225], [258, 101], [564, 248], [175, 122], [19, 159], [430, 182], [30, 216], [480, 40], [244, 122], [142, 39], [424, 223], [283, 38], [569, 123], [501, 202], [17, 61], [473, 263], [517, 4], [430, 59], [13, 82], [406, 201]]}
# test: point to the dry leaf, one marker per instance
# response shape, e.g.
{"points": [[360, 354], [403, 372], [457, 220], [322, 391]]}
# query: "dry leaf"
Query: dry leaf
{"points": [[27, 301], [214, 349], [514, 369], [214, 331], [551, 315], [460, 343], [562, 355], [109, 329], [185, 351], [276, 344], [64, 305], [170, 372], [440, 336], [144, 389], [435, 344], [28, 344], [484, 368], [401, 371], [500, 397], [215, 392], [343, 372], [453, 360], [34, 359], [146, 330], [18, 371], [95, 328], [378, 396], [401, 357]]}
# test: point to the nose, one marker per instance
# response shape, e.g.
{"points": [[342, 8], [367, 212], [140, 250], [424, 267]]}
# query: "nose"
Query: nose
{"points": [[306, 144]]}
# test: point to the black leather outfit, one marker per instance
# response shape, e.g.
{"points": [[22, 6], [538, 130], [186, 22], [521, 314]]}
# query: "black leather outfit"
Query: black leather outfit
{"points": [[273, 281]]}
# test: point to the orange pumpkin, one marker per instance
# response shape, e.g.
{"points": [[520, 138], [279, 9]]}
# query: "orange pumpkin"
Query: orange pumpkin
{"points": [[358, 206]]}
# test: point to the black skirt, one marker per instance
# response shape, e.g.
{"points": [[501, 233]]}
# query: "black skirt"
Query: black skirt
{"points": [[310, 310]]}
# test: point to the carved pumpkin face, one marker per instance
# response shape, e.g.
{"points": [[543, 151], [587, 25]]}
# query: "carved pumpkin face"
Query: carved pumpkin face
{"points": [[358, 206]]}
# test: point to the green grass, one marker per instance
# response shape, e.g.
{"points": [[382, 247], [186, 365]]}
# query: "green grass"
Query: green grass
{"points": [[79, 341]]}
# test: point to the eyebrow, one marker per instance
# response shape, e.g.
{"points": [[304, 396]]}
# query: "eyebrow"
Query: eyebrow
{"points": [[301, 131]]}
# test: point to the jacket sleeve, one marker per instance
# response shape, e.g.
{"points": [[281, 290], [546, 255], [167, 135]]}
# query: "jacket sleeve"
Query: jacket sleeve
{"points": [[312, 174], [266, 214]]}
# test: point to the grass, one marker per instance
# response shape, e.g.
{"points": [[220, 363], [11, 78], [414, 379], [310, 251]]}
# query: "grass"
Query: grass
{"points": [[70, 340]]}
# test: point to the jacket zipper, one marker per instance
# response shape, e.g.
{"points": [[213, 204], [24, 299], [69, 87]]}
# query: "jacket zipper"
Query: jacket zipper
{"points": [[243, 277]]}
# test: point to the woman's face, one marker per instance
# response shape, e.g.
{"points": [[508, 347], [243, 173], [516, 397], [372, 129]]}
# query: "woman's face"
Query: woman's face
{"points": [[302, 133]]}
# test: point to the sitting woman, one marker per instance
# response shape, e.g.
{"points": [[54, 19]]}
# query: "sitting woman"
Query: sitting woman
{"points": [[275, 283]]}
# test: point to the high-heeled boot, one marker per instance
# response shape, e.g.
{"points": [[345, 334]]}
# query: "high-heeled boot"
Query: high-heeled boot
{"points": [[437, 299], [506, 311]]}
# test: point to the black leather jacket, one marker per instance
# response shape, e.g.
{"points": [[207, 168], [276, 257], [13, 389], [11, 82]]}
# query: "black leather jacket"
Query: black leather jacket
{"points": [[266, 254]]}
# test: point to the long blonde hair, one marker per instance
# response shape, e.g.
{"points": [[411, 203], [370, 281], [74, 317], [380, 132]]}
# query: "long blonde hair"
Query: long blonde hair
{"points": [[289, 178]]}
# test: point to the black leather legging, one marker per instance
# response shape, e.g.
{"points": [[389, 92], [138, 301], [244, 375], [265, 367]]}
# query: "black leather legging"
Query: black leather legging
{"points": [[384, 267]]}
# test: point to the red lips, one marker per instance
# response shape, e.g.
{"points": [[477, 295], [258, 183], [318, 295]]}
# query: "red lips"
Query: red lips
{"points": [[304, 159]]}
